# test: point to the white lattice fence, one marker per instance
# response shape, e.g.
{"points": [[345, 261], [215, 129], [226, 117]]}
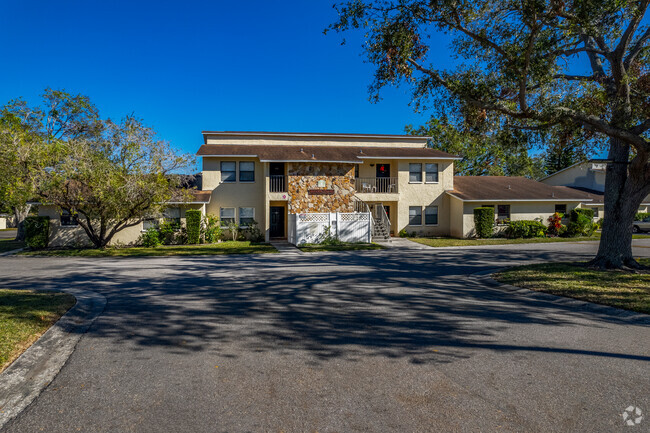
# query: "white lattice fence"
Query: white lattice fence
{"points": [[310, 228]]}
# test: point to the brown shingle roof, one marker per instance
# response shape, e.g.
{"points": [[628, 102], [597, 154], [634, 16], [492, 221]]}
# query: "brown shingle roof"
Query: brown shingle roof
{"points": [[503, 188], [196, 196], [288, 153]]}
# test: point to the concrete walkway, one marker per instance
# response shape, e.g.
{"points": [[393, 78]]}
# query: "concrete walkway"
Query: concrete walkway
{"points": [[285, 247], [398, 340]]}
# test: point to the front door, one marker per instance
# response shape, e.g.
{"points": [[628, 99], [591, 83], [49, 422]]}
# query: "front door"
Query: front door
{"points": [[277, 222]]}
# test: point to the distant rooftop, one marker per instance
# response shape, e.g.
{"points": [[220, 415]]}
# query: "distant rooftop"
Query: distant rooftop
{"points": [[504, 188], [312, 134]]}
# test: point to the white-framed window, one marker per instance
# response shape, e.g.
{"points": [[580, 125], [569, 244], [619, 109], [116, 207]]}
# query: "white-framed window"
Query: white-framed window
{"points": [[415, 216], [227, 215], [415, 172], [431, 173], [228, 171], [431, 215], [246, 171], [246, 216], [67, 219]]}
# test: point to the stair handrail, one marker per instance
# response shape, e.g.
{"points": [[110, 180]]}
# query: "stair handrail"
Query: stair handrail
{"points": [[383, 217]]}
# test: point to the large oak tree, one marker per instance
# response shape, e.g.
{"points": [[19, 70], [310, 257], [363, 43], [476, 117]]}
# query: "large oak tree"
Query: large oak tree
{"points": [[523, 59]]}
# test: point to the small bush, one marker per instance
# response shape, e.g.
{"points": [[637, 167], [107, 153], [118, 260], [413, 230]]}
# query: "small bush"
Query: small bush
{"points": [[526, 229], [484, 221], [193, 226], [599, 224], [403, 233], [641, 216], [581, 223], [213, 230], [555, 226], [151, 238], [37, 231], [254, 233], [329, 239], [233, 228], [168, 231]]}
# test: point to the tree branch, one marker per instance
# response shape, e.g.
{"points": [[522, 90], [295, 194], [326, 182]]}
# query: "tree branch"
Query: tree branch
{"points": [[637, 16], [636, 49]]}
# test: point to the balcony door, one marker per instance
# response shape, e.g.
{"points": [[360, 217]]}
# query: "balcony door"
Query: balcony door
{"points": [[383, 170], [276, 172], [382, 183]]}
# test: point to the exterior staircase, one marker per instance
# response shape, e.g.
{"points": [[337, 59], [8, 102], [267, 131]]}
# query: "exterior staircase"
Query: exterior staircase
{"points": [[380, 232], [381, 223]]}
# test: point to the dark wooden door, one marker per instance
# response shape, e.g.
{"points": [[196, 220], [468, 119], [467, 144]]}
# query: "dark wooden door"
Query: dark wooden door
{"points": [[277, 222]]}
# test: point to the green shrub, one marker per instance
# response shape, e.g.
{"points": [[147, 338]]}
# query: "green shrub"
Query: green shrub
{"points": [[151, 238], [212, 227], [641, 216], [484, 221], [37, 231], [193, 226], [599, 224], [403, 233], [329, 239], [526, 229], [233, 228], [168, 231], [581, 223], [254, 233]]}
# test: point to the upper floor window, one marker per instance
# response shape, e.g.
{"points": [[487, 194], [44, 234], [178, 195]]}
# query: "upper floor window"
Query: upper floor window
{"points": [[247, 171], [431, 215], [228, 171], [67, 219], [246, 216], [431, 171], [415, 172]]}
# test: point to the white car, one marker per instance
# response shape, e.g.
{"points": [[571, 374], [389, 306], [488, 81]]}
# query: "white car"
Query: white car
{"points": [[641, 226]]}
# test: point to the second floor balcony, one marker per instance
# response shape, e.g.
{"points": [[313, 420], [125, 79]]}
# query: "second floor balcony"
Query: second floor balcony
{"points": [[277, 183], [376, 185]]}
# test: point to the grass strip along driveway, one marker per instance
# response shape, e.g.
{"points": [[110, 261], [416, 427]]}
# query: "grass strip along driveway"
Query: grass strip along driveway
{"points": [[230, 247], [24, 316], [453, 242], [10, 245], [617, 289]]}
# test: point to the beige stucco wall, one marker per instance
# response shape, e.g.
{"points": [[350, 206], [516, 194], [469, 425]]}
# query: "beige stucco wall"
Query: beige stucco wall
{"points": [[583, 176], [518, 211], [412, 142], [75, 236], [237, 194]]}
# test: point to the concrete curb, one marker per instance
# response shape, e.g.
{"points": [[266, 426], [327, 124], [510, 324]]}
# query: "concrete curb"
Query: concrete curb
{"points": [[33, 371], [485, 277], [12, 252]]}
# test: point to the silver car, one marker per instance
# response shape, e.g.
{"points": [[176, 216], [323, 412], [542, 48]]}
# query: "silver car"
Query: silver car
{"points": [[641, 226]]}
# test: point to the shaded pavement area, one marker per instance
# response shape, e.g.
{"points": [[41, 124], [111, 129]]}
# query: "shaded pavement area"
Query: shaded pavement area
{"points": [[394, 340]]}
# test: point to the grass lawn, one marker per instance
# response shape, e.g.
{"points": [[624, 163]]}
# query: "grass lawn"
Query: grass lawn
{"points": [[344, 247], [229, 247], [24, 316], [9, 244], [453, 242], [617, 289]]}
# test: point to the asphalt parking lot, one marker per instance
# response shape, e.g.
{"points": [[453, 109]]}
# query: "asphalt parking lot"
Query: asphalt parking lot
{"points": [[394, 340]]}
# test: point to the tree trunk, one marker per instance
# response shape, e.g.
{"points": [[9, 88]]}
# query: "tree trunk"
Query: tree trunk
{"points": [[624, 193], [21, 212]]}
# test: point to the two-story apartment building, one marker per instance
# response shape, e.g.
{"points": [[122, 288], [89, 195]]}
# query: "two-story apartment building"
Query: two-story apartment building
{"points": [[272, 177]]}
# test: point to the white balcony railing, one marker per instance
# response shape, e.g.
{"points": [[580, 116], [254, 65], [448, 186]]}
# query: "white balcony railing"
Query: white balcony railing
{"points": [[277, 184], [376, 184]]}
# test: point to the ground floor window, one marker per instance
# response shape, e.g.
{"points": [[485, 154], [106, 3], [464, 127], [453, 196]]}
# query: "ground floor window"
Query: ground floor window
{"points": [[227, 215], [431, 215], [246, 216], [67, 219], [415, 216], [503, 213], [560, 208]]}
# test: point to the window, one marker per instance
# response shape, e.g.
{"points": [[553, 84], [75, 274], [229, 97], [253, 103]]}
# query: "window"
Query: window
{"points": [[247, 171], [431, 171], [356, 170], [431, 215], [560, 208], [415, 216], [228, 171], [172, 215], [227, 215], [415, 173], [67, 219], [246, 216], [503, 211], [150, 223]]}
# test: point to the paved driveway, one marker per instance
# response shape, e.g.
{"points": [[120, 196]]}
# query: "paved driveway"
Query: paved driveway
{"points": [[396, 340]]}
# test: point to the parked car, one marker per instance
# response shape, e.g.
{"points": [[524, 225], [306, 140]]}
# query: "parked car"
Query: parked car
{"points": [[641, 226]]}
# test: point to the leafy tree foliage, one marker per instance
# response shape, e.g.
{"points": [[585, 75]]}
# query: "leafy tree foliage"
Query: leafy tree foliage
{"points": [[521, 59]]}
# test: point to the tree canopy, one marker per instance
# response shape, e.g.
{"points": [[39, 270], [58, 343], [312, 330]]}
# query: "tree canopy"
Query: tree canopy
{"points": [[524, 60]]}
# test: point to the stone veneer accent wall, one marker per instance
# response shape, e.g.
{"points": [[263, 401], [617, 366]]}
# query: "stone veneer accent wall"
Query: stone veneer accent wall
{"points": [[305, 176]]}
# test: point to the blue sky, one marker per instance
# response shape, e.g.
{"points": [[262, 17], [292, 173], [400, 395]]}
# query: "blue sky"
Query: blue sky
{"points": [[191, 66]]}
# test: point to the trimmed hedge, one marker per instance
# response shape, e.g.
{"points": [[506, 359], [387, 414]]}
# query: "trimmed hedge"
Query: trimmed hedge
{"points": [[484, 221], [526, 229], [575, 214], [37, 231], [193, 225]]}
